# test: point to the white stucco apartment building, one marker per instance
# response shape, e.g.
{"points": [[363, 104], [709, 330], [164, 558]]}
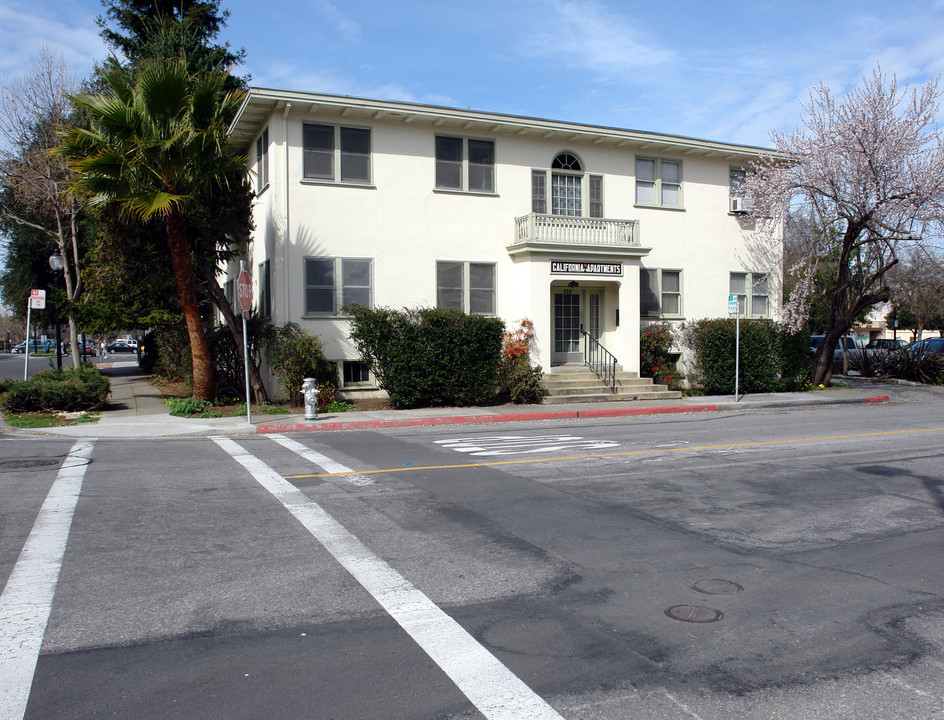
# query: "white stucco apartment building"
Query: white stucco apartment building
{"points": [[580, 229]]}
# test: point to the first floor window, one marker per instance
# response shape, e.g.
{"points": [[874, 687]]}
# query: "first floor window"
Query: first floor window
{"points": [[334, 283], [265, 290], [355, 372], [229, 289], [660, 293], [466, 286], [751, 292]]}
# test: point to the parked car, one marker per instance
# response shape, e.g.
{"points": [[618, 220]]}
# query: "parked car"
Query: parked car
{"points": [[21, 348], [86, 350], [928, 346], [887, 344], [853, 351], [119, 347]]}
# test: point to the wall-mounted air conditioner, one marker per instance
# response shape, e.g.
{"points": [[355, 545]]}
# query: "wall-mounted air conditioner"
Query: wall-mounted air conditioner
{"points": [[738, 205]]}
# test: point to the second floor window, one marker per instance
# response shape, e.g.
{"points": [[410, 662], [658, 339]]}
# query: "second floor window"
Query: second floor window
{"points": [[569, 188], [334, 153], [262, 161], [658, 182], [465, 164]]}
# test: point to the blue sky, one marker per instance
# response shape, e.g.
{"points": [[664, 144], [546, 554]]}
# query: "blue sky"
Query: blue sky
{"points": [[729, 71]]}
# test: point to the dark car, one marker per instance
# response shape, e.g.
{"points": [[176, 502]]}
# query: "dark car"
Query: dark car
{"points": [[929, 346], [86, 350], [885, 344], [119, 347]]}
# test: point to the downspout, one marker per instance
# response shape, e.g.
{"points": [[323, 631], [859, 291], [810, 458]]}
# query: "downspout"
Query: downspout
{"points": [[286, 239]]}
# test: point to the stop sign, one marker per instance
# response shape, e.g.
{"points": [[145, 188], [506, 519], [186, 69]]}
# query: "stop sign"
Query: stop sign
{"points": [[244, 290]]}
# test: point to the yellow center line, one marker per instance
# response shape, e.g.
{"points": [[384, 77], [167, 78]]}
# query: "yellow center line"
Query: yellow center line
{"points": [[491, 463]]}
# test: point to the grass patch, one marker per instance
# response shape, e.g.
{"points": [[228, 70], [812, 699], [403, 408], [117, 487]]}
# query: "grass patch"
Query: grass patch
{"points": [[33, 420]]}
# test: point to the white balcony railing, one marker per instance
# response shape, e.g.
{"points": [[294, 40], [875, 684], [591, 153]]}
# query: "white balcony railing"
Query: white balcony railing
{"points": [[581, 231]]}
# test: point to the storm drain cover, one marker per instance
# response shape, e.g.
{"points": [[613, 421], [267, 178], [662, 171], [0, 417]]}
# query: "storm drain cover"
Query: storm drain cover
{"points": [[24, 463], [716, 586], [693, 613]]}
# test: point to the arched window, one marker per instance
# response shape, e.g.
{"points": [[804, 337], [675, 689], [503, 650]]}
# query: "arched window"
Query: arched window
{"points": [[567, 188], [566, 185]]}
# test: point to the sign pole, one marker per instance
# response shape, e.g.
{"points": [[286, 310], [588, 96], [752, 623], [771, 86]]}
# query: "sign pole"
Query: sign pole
{"points": [[735, 307], [29, 309], [244, 293]]}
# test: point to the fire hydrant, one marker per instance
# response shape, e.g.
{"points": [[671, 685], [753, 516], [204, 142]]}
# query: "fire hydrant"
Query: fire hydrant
{"points": [[310, 391]]}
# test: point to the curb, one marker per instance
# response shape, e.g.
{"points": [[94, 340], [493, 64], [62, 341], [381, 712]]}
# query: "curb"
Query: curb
{"points": [[518, 417]]}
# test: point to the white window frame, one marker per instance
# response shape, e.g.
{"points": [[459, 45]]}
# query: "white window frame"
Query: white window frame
{"points": [[658, 184], [660, 292], [542, 199], [337, 156], [262, 162], [465, 165], [338, 287], [747, 298], [369, 382], [466, 288]]}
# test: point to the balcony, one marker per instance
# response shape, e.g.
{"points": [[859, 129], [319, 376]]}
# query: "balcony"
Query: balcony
{"points": [[576, 235]]}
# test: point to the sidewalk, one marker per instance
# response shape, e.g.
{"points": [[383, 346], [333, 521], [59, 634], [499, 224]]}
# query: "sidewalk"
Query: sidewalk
{"points": [[137, 410]]}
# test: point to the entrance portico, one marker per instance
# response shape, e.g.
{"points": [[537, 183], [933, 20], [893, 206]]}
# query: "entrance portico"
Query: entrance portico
{"points": [[580, 284]]}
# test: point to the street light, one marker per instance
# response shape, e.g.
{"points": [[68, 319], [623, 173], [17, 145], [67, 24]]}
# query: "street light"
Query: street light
{"points": [[58, 264]]}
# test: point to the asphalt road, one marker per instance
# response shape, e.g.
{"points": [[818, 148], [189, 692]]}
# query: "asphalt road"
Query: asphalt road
{"points": [[537, 570]]}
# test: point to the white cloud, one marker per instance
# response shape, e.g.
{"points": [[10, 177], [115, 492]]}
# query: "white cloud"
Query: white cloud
{"points": [[71, 31], [347, 28]]}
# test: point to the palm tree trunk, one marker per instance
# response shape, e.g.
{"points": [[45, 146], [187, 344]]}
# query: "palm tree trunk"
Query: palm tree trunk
{"points": [[204, 381]]}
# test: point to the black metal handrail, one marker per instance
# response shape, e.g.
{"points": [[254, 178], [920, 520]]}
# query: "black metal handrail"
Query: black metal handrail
{"points": [[600, 360]]}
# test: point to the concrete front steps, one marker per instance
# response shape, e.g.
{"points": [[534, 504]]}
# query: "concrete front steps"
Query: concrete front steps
{"points": [[579, 384]]}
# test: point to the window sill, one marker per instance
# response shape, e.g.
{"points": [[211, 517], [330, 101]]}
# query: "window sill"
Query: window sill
{"points": [[326, 317], [261, 190], [475, 193], [332, 183], [649, 206]]}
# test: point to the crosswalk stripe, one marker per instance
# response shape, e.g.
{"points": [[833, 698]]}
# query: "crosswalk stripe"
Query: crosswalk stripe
{"points": [[26, 600], [497, 692]]}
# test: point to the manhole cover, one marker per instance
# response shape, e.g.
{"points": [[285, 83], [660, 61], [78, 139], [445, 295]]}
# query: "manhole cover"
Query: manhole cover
{"points": [[24, 463], [716, 586], [693, 613]]}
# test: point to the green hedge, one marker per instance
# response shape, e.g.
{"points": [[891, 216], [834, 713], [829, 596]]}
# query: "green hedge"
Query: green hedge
{"points": [[771, 360], [428, 357], [68, 390]]}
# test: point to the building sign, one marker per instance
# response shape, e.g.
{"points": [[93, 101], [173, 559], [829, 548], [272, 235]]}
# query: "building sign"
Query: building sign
{"points": [[583, 268]]}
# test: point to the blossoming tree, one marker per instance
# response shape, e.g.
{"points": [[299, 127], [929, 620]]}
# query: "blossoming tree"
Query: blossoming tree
{"points": [[867, 171]]}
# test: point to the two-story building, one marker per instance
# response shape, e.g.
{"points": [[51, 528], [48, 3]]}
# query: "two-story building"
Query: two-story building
{"points": [[586, 231]]}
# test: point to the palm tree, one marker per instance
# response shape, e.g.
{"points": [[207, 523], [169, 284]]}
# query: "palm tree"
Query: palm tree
{"points": [[154, 141]]}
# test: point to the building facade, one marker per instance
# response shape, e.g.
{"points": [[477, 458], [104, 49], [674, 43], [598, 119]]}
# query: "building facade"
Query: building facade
{"points": [[585, 231]]}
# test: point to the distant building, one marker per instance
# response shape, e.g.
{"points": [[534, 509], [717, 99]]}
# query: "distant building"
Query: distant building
{"points": [[580, 229]]}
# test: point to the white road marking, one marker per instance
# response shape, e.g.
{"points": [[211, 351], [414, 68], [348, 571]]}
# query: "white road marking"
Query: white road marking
{"points": [[520, 444], [322, 461], [26, 600], [497, 692]]}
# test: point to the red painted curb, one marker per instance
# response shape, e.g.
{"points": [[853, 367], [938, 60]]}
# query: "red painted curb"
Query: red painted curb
{"points": [[878, 399], [617, 412], [416, 422]]}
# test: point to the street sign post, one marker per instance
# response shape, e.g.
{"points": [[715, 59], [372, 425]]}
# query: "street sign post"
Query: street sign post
{"points": [[734, 307], [37, 299], [244, 293]]}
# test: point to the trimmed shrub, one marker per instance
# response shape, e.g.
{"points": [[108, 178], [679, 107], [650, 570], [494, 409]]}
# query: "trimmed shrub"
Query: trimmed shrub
{"points": [[67, 390], [295, 354], [429, 357], [770, 359]]}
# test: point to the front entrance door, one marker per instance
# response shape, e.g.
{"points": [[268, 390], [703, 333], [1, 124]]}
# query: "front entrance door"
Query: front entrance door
{"points": [[567, 327], [575, 310]]}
